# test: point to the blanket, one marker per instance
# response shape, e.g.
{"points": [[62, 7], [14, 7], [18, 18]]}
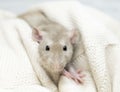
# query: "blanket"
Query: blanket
{"points": [[6, 14], [100, 35]]}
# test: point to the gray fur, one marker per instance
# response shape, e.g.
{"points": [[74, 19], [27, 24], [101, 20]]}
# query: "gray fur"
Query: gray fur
{"points": [[56, 36]]}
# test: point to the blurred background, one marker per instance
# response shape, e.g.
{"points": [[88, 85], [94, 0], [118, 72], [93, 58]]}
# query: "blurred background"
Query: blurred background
{"points": [[111, 7]]}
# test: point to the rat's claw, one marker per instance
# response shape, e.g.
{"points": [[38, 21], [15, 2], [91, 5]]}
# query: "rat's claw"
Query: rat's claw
{"points": [[82, 75], [67, 74], [78, 79], [77, 76]]}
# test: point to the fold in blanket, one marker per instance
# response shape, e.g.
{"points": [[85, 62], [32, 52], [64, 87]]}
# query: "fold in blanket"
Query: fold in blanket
{"points": [[15, 66]]}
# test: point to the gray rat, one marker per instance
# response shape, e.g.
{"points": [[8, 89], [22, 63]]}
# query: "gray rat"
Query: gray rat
{"points": [[56, 48]]}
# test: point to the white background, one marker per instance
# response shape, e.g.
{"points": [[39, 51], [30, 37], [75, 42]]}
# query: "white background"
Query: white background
{"points": [[111, 7]]}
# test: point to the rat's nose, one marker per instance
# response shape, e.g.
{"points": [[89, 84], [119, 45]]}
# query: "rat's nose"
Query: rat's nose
{"points": [[58, 67]]}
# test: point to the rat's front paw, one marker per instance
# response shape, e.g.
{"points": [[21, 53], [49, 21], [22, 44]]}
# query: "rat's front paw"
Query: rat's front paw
{"points": [[76, 76]]}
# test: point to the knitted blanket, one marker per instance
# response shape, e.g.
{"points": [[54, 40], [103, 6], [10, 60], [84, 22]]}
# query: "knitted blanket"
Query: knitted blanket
{"points": [[100, 40]]}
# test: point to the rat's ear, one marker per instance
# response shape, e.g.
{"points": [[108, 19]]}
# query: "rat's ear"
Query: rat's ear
{"points": [[36, 36], [74, 36]]}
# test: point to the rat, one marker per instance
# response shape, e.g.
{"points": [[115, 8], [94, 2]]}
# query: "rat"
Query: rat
{"points": [[56, 49]]}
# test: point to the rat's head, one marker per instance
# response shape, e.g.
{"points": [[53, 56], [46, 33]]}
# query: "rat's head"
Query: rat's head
{"points": [[55, 46]]}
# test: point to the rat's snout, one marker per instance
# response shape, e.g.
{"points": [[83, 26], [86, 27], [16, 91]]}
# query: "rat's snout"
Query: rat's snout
{"points": [[58, 65]]}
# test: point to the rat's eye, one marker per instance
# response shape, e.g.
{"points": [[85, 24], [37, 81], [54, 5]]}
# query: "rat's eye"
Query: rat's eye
{"points": [[65, 48], [47, 48]]}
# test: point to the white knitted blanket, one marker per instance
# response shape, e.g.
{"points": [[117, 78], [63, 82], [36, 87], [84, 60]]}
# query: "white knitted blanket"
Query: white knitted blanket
{"points": [[101, 45]]}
